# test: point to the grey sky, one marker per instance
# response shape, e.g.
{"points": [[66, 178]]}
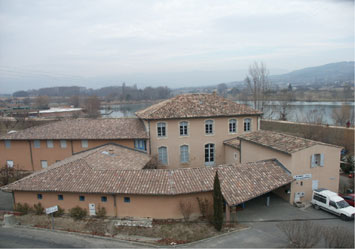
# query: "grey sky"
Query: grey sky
{"points": [[96, 43]]}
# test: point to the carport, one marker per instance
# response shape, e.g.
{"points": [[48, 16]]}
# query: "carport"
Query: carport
{"points": [[251, 180]]}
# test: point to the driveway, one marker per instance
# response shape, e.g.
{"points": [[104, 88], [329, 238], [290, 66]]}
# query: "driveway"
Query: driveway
{"points": [[263, 221]]}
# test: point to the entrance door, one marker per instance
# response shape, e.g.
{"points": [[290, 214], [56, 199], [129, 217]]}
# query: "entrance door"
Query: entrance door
{"points": [[314, 184]]}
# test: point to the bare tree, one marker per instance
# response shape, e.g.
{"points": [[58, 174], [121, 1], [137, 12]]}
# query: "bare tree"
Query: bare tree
{"points": [[222, 89], [42, 102], [92, 106], [342, 115], [74, 101], [284, 103], [258, 84]]}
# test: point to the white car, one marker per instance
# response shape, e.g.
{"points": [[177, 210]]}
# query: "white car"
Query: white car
{"points": [[333, 203]]}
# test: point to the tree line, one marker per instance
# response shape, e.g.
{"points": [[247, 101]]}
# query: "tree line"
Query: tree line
{"points": [[123, 92]]}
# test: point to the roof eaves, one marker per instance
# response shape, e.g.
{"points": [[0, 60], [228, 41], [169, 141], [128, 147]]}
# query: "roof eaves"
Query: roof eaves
{"points": [[266, 146]]}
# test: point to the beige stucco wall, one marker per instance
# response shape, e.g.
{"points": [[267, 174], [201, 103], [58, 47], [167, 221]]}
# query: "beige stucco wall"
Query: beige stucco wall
{"points": [[196, 139], [158, 207], [231, 155], [20, 151], [327, 176], [299, 163]]}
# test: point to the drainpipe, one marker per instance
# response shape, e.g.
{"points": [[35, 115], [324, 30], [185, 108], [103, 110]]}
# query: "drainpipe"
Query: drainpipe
{"points": [[29, 143], [72, 150], [150, 145], [115, 205]]}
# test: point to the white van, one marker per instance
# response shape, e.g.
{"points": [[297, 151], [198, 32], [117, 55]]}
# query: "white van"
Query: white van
{"points": [[333, 203]]}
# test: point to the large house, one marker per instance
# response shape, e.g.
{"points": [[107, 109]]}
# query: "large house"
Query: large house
{"points": [[193, 136]]}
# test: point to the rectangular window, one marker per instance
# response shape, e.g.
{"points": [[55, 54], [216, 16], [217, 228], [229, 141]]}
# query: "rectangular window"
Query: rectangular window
{"points": [[209, 127], [183, 128], [317, 160], [163, 155], [63, 144], [44, 164], [127, 199], [10, 163], [103, 198], [184, 153], [232, 126], [332, 204], [81, 198], [140, 144], [39, 196], [7, 144], [247, 124], [161, 129], [50, 144], [209, 154], [84, 143], [60, 197], [320, 198], [37, 144]]}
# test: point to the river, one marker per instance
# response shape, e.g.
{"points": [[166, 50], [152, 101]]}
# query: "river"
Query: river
{"points": [[296, 111]]}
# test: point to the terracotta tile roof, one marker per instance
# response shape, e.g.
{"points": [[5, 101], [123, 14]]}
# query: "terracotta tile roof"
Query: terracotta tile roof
{"points": [[280, 141], [195, 105], [234, 142], [110, 128], [244, 182], [239, 182]]}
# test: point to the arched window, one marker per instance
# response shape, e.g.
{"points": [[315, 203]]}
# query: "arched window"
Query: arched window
{"points": [[232, 126], [161, 129], [163, 155], [183, 128], [184, 153], [247, 124], [209, 126], [209, 154]]}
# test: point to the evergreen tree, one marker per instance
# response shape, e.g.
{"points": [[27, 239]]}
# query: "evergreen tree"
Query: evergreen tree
{"points": [[217, 204]]}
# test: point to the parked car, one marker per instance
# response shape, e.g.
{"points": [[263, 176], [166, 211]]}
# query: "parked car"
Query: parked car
{"points": [[333, 203], [349, 198]]}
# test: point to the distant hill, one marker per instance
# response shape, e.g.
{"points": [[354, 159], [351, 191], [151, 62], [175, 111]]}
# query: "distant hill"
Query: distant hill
{"points": [[329, 73]]}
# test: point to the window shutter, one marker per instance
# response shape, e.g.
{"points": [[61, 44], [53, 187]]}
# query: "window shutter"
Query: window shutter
{"points": [[322, 160], [313, 161]]}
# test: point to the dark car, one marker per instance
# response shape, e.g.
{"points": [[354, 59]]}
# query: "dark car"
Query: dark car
{"points": [[349, 198]]}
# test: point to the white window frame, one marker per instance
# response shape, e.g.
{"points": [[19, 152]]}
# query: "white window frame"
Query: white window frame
{"points": [[163, 157], [50, 144], [210, 130], [208, 146], [184, 153], [63, 144], [162, 130], [44, 164], [317, 160], [7, 144], [84, 143], [230, 123], [246, 127], [10, 163], [37, 144], [184, 127]]}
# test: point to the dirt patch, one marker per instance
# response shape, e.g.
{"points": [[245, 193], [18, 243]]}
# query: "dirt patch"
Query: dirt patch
{"points": [[163, 233]]}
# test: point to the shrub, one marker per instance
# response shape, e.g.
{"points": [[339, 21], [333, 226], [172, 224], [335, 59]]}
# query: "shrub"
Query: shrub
{"points": [[185, 209], [338, 237], [59, 213], [101, 212], [77, 213], [39, 209], [203, 204], [303, 234], [23, 208], [96, 226]]}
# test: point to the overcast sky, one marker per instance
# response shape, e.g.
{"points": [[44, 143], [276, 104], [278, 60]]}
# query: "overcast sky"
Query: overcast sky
{"points": [[174, 43]]}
